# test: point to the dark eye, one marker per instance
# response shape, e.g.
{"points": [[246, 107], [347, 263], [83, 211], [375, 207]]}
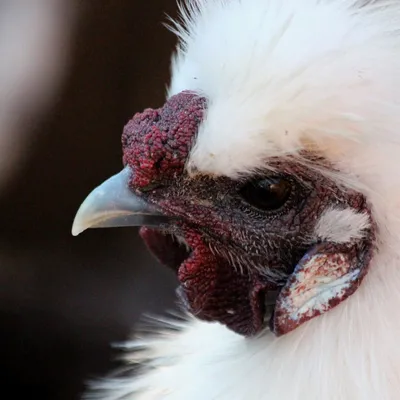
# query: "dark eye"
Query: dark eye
{"points": [[266, 194]]}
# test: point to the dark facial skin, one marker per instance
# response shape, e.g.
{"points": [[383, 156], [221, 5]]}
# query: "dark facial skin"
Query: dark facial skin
{"points": [[244, 237]]}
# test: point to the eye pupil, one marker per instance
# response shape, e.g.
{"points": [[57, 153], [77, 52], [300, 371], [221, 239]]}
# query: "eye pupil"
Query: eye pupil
{"points": [[266, 194]]}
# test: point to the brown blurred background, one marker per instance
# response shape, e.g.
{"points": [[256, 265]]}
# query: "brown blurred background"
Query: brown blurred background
{"points": [[64, 300]]}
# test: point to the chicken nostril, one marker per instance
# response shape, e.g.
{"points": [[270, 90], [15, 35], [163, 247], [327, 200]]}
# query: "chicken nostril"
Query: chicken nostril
{"points": [[151, 186]]}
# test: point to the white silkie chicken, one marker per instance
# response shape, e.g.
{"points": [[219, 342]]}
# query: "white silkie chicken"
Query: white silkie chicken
{"points": [[270, 182]]}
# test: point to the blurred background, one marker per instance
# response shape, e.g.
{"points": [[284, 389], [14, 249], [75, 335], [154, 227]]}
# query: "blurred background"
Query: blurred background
{"points": [[72, 73]]}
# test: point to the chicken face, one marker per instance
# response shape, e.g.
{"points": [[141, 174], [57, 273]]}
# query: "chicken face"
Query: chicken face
{"points": [[275, 249]]}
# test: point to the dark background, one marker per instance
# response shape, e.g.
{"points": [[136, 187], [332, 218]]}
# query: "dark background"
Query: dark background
{"points": [[64, 300]]}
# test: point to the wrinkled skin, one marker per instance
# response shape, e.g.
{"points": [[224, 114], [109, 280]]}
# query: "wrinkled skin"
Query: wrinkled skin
{"points": [[239, 265]]}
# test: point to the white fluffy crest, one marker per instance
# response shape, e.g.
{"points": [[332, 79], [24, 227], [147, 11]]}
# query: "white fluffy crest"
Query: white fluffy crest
{"points": [[281, 76]]}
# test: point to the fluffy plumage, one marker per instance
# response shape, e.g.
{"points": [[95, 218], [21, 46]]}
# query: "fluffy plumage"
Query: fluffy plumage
{"points": [[280, 77]]}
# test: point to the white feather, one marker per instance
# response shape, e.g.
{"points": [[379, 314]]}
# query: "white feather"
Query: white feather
{"points": [[281, 76], [341, 225]]}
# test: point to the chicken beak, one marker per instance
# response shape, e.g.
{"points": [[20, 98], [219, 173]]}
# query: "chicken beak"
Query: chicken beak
{"points": [[113, 204]]}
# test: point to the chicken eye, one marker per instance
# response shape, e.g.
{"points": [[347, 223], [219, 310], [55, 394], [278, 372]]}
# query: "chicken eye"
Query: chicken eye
{"points": [[266, 194]]}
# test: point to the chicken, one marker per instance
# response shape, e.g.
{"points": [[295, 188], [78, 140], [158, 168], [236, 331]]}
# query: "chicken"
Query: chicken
{"points": [[270, 183]]}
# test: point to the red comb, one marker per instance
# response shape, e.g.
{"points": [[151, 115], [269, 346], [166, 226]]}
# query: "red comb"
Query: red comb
{"points": [[156, 143]]}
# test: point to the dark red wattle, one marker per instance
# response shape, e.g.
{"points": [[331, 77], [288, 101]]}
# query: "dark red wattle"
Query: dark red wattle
{"points": [[211, 288]]}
